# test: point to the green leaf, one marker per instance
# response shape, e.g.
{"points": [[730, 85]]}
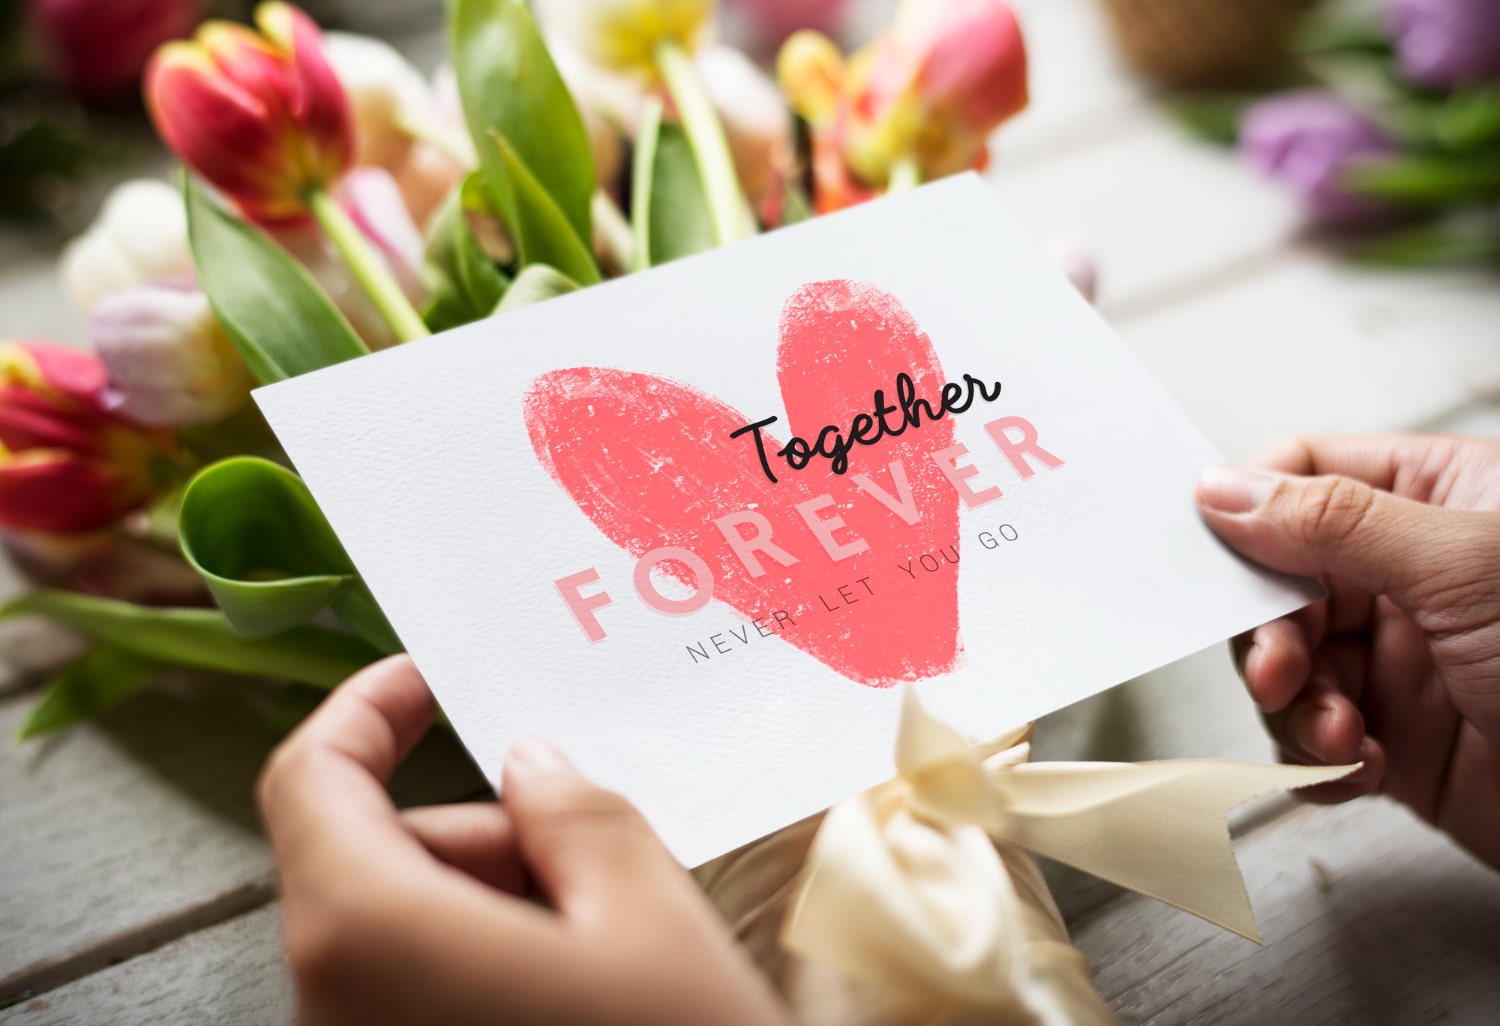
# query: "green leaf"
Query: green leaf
{"points": [[535, 284], [668, 208], [510, 87], [1428, 179], [1341, 35], [796, 206], [1433, 245], [1469, 120], [279, 319], [460, 277], [543, 235], [201, 638], [1212, 116], [97, 681], [253, 532]]}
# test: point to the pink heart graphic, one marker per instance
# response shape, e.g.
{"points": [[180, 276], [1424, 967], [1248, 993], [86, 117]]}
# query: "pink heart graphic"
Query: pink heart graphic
{"points": [[650, 461]]}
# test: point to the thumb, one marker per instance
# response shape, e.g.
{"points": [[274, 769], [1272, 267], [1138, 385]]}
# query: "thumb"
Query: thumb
{"points": [[589, 849], [1332, 527]]}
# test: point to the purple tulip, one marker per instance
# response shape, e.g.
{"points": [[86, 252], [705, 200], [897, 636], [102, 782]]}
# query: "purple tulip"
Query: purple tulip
{"points": [[1307, 140], [1442, 44]]}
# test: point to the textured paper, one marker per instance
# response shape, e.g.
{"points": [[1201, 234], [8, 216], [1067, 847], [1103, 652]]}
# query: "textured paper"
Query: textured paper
{"points": [[481, 478]]}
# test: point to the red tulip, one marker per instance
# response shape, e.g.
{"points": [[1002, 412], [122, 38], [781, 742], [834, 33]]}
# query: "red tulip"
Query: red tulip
{"points": [[98, 47], [260, 115], [67, 463]]}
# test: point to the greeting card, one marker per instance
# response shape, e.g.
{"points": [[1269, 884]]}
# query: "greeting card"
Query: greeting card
{"points": [[695, 525]]}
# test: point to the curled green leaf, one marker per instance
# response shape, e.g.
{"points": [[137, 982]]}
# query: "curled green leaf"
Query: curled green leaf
{"points": [[258, 539]]}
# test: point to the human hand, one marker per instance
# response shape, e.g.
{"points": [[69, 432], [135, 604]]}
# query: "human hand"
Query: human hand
{"points": [[1399, 668], [421, 916]]}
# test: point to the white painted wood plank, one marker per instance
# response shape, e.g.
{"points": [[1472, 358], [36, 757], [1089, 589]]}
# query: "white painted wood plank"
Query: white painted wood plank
{"points": [[1193, 708], [117, 823], [1368, 915], [229, 973], [1315, 346], [1079, 87], [1160, 211], [149, 809]]}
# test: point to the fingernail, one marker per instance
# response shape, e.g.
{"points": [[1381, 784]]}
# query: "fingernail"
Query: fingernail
{"points": [[1232, 490], [534, 756], [1306, 726], [1369, 754]]}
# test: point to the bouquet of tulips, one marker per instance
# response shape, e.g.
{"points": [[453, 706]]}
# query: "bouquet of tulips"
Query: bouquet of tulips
{"points": [[1395, 144], [336, 201]]}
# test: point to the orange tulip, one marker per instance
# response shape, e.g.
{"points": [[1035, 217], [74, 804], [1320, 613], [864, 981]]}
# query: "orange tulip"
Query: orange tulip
{"points": [[260, 115], [924, 96], [67, 463]]}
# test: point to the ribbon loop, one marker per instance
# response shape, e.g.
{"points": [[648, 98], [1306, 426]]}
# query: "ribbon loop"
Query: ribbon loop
{"points": [[925, 891]]}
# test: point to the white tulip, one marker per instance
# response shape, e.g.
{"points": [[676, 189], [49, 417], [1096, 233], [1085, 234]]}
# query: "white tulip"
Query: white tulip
{"points": [[622, 35], [387, 96], [754, 115], [168, 357], [140, 236]]}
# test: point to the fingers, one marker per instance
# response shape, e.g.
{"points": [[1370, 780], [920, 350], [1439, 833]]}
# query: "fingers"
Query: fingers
{"points": [[476, 838], [1277, 663], [324, 786], [589, 849], [1380, 461], [1330, 527], [1323, 724]]}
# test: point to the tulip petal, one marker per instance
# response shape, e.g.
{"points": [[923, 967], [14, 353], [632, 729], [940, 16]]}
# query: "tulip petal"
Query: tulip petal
{"points": [[33, 420], [323, 107], [261, 116], [220, 130], [57, 492], [77, 377], [976, 65]]}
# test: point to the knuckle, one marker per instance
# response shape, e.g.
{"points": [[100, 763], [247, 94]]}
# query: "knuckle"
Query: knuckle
{"points": [[1333, 508]]}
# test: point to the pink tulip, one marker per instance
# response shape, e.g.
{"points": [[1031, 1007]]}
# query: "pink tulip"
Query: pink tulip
{"points": [[923, 97], [67, 463], [261, 115]]}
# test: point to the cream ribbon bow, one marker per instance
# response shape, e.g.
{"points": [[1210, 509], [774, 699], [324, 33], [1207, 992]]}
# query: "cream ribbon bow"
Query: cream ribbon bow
{"points": [[916, 889]]}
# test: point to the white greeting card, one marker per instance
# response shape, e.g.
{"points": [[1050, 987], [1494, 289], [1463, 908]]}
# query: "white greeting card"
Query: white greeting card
{"points": [[695, 525]]}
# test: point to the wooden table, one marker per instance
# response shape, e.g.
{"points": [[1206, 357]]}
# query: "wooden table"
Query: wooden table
{"points": [[138, 888]]}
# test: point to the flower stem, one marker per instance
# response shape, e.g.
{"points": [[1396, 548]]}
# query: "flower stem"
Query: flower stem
{"points": [[906, 174], [373, 276], [706, 137], [613, 231]]}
